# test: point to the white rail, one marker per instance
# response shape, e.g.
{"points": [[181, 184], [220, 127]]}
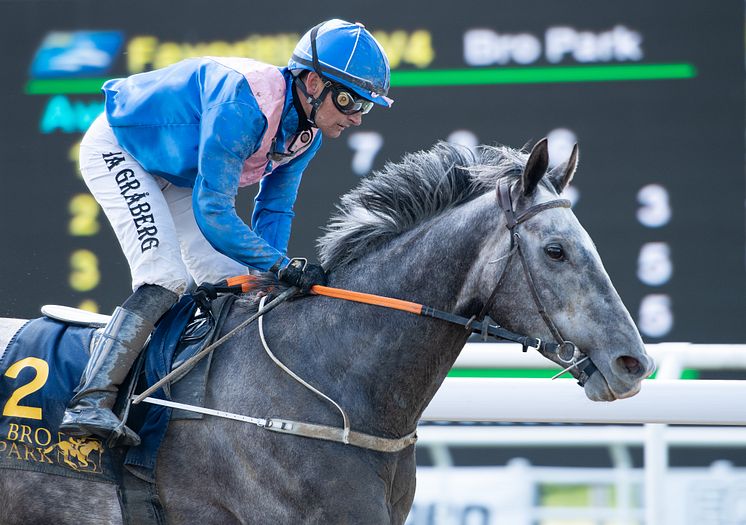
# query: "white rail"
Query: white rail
{"points": [[701, 357], [661, 402], [562, 401], [576, 436]]}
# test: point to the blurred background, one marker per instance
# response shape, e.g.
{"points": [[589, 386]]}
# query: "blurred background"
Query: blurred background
{"points": [[653, 92]]}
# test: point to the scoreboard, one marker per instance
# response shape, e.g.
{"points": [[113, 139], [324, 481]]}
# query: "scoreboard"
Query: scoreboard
{"points": [[653, 92]]}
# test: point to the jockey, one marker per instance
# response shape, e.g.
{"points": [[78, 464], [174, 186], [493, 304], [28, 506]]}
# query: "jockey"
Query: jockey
{"points": [[166, 159]]}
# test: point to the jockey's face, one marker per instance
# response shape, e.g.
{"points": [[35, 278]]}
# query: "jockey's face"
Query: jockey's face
{"points": [[330, 121]]}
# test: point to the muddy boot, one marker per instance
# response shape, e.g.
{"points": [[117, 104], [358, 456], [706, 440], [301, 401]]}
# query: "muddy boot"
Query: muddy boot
{"points": [[89, 411]]}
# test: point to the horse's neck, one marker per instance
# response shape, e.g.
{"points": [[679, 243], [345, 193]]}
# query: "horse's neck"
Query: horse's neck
{"points": [[404, 358]]}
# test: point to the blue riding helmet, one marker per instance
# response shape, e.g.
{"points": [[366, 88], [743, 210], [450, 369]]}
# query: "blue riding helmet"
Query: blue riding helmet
{"points": [[348, 54]]}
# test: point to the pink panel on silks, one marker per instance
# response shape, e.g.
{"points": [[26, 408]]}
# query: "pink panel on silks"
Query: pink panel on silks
{"points": [[268, 86]]}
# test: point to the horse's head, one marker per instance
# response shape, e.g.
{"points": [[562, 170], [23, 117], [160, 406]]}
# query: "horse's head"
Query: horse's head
{"points": [[554, 267], [433, 218]]}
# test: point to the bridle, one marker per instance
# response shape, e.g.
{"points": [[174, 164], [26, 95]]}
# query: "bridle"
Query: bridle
{"points": [[565, 350]]}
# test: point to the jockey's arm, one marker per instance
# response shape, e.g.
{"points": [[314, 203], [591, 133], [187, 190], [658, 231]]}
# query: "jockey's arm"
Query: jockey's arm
{"points": [[273, 206], [230, 133]]}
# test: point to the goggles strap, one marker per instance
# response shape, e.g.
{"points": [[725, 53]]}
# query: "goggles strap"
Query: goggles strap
{"points": [[314, 101], [314, 54]]}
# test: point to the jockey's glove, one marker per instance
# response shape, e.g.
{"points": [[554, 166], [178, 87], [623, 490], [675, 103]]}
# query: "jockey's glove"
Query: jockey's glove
{"points": [[303, 275]]}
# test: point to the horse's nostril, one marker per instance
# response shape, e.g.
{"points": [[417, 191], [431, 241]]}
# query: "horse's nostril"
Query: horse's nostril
{"points": [[631, 365]]}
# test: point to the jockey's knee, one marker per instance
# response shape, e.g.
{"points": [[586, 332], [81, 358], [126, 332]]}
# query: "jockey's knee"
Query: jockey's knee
{"points": [[151, 301]]}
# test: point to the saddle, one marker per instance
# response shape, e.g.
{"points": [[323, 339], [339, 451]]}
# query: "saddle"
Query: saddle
{"points": [[42, 365]]}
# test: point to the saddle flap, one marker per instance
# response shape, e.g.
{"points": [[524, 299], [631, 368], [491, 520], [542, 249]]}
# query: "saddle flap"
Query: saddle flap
{"points": [[75, 316]]}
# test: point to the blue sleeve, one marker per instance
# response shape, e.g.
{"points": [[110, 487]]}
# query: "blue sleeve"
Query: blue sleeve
{"points": [[229, 133], [273, 206]]}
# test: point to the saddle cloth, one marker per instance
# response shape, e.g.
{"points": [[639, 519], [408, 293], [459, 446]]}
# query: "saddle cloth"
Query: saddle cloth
{"points": [[41, 366]]}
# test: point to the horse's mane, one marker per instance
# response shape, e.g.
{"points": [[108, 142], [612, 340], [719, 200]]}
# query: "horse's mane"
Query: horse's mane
{"points": [[404, 194]]}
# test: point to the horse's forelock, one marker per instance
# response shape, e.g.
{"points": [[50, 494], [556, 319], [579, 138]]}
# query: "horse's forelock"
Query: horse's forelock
{"points": [[404, 194]]}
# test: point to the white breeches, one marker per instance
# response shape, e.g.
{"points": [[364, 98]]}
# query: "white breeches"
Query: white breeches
{"points": [[152, 218]]}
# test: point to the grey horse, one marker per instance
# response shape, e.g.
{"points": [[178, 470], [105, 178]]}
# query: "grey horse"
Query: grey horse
{"points": [[429, 230]]}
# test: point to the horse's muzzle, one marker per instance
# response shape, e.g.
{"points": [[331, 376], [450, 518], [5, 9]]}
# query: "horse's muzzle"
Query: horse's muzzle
{"points": [[623, 376]]}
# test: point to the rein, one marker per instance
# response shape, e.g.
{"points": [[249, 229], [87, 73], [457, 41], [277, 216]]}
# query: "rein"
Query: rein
{"points": [[565, 350], [483, 327]]}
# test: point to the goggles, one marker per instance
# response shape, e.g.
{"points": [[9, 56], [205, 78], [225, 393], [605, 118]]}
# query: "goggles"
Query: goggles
{"points": [[347, 103]]}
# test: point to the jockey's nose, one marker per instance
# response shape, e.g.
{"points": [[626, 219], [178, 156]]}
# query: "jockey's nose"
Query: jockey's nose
{"points": [[356, 118]]}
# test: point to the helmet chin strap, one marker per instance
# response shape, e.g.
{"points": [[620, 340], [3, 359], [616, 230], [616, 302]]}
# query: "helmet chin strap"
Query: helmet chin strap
{"points": [[314, 101]]}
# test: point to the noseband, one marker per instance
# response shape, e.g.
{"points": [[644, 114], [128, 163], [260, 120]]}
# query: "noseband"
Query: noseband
{"points": [[564, 349]]}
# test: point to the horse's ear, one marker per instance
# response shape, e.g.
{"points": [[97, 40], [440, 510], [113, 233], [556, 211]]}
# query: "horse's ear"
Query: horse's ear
{"points": [[561, 175], [536, 167]]}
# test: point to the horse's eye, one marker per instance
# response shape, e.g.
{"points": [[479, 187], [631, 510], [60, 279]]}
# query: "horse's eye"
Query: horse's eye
{"points": [[555, 251]]}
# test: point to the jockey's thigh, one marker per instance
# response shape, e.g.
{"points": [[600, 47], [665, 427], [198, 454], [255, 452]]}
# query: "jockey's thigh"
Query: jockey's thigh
{"points": [[204, 263], [136, 208]]}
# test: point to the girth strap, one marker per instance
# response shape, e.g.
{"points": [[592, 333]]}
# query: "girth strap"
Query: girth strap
{"points": [[328, 433], [310, 430]]}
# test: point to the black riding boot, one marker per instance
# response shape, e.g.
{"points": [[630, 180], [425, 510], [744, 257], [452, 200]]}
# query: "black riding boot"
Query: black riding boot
{"points": [[89, 411]]}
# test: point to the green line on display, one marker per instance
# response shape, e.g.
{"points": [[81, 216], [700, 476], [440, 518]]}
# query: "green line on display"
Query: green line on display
{"points": [[542, 75], [541, 373], [503, 372], [64, 86], [447, 77]]}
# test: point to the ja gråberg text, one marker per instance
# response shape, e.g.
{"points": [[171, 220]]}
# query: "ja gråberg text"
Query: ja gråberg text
{"points": [[128, 184]]}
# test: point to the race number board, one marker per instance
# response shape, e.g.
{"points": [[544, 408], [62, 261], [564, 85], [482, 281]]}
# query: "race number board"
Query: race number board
{"points": [[652, 92]]}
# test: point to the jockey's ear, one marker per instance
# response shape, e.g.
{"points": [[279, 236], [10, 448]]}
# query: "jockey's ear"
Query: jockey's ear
{"points": [[536, 167], [313, 83], [561, 175]]}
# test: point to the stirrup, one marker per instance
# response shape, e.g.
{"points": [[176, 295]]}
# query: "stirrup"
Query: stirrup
{"points": [[99, 423], [123, 436]]}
